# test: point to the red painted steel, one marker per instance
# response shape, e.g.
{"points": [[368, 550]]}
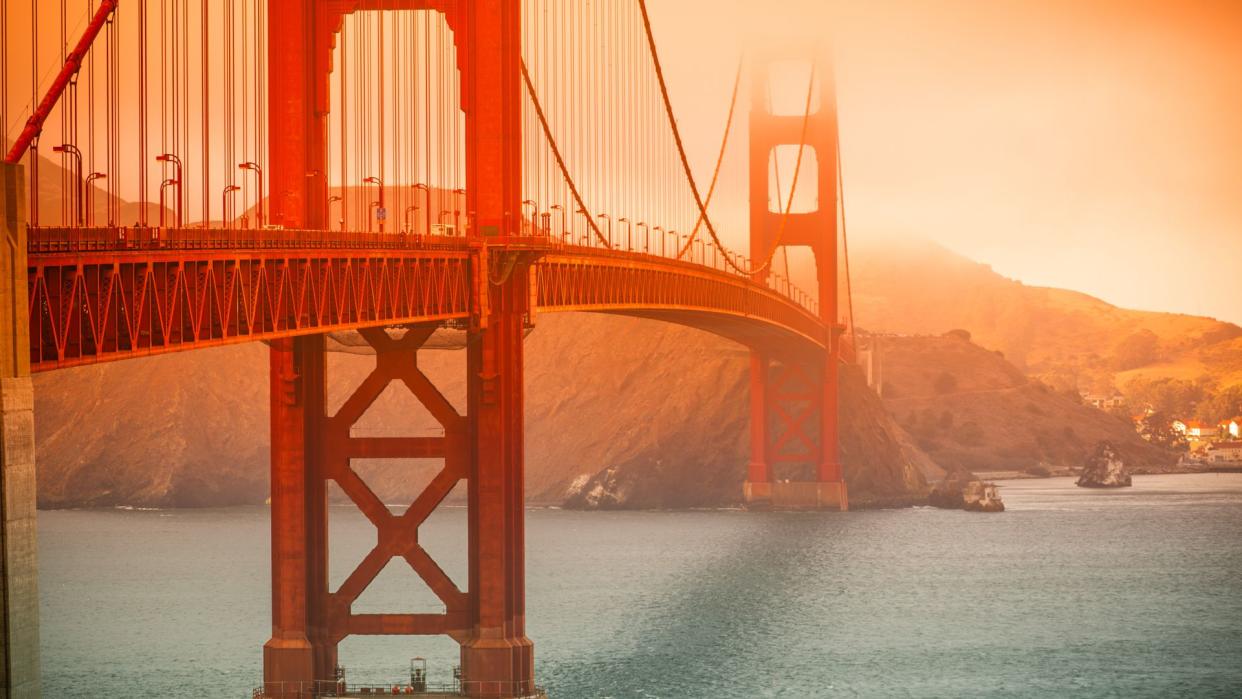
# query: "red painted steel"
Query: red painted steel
{"points": [[497, 649], [94, 305], [106, 294], [780, 426]]}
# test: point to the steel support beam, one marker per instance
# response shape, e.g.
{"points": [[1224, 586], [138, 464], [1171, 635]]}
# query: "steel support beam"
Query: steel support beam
{"points": [[19, 570], [297, 653], [498, 658]]}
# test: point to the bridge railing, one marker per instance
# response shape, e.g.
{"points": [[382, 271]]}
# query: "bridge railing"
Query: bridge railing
{"points": [[704, 254], [51, 240]]}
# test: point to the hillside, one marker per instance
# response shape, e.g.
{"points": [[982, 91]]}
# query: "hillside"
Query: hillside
{"points": [[661, 401], [970, 408], [1062, 337]]}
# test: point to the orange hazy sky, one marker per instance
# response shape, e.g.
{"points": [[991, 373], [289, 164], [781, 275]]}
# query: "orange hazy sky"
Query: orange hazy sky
{"points": [[1090, 145]]}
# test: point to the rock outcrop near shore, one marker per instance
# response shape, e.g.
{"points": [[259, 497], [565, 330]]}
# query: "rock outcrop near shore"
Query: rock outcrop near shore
{"points": [[962, 491], [1105, 469]]}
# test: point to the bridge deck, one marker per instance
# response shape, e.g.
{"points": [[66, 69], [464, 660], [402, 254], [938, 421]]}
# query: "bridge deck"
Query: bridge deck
{"points": [[109, 293]]}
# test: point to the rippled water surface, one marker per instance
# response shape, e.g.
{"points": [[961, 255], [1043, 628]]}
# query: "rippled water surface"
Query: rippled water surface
{"points": [[1072, 592]]}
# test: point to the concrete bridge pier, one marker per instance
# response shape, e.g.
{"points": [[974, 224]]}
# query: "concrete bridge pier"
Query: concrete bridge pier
{"points": [[19, 569]]}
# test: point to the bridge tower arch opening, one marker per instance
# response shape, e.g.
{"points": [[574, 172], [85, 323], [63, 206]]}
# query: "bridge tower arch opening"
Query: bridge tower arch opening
{"points": [[484, 447], [794, 413]]}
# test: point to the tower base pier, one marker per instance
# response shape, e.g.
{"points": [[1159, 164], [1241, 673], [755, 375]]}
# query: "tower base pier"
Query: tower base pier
{"points": [[796, 495]]}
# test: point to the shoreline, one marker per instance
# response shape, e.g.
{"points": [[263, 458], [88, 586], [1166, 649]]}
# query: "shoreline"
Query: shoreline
{"points": [[869, 504]]}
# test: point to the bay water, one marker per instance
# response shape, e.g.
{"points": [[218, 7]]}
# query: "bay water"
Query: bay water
{"points": [[1134, 592]]}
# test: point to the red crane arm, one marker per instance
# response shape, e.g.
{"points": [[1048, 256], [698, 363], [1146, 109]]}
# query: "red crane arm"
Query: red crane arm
{"points": [[73, 62]]}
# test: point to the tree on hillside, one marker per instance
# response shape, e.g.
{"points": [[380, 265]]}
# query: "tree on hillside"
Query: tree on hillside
{"points": [[1139, 349], [1177, 398], [1221, 405], [1157, 428]]}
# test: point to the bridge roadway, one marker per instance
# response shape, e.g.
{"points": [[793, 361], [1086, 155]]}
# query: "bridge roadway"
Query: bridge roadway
{"points": [[103, 294]]}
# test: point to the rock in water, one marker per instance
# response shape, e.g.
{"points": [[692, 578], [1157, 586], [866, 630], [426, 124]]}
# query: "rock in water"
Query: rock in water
{"points": [[1104, 469], [962, 491]]}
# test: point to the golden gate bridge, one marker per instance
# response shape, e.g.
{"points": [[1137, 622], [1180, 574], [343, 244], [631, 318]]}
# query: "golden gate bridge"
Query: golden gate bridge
{"points": [[390, 167]]}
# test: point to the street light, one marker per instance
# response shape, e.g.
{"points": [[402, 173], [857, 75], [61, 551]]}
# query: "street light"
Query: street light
{"points": [[660, 230], [587, 239], [164, 185], [225, 200], [90, 211], [332, 200], [409, 210], [609, 219], [170, 158], [534, 212], [564, 229], [646, 235], [77, 157], [427, 193], [377, 205], [457, 207], [258, 171], [629, 229]]}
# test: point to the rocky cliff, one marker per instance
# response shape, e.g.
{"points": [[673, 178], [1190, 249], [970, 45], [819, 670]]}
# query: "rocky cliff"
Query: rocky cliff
{"points": [[969, 408]]}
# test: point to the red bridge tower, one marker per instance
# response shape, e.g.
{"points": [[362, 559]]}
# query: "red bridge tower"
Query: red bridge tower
{"points": [[794, 446], [484, 447]]}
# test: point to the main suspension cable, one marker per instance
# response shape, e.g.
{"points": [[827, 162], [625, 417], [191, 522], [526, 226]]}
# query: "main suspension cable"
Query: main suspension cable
{"points": [[724, 142], [556, 153], [685, 163]]}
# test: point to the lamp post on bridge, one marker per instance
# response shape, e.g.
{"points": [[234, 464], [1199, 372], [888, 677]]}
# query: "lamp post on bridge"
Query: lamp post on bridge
{"points": [[534, 212], [225, 217], [409, 210], [170, 158], [90, 211], [564, 228], [258, 171], [586, 235], [427, 208], [70, 149], [380, 212], [457, 206], [332, 200], [660, 230], [164, 186], [646, 235], [609, 219], [629, 230]]}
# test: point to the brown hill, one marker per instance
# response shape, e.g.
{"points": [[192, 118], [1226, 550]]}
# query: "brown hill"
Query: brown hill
{"points": [[661, 403], [969, 408], [1064, 337]]}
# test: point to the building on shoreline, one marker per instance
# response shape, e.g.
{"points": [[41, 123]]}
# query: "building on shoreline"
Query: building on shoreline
{"points": [[1225, 453]]}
